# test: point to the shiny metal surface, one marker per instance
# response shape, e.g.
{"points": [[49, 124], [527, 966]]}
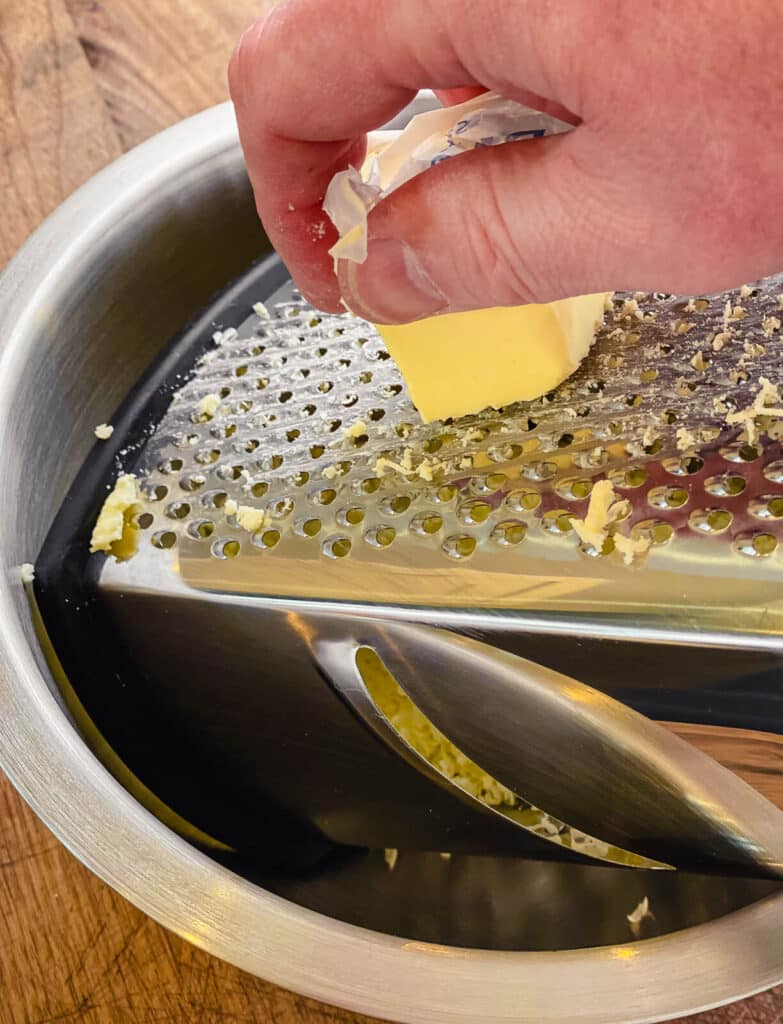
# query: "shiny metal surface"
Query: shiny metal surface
{"points": [[571, 750], [94, 294]]}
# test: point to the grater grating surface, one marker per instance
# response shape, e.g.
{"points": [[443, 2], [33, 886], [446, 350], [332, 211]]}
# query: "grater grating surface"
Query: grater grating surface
{"points": [[363, 502]]}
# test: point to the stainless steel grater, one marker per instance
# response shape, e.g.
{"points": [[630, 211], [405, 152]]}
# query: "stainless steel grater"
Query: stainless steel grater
{"points": [[368, 514]]}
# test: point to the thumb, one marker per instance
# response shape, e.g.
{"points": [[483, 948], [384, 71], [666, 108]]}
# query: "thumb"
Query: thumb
{"points": [[517, 223]]}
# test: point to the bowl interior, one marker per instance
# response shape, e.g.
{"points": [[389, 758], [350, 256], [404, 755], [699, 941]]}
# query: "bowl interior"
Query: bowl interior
{"points": [[126, 271]]}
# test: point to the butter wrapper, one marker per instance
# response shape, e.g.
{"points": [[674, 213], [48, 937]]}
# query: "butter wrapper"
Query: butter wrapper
{"points": [[430, 138]]}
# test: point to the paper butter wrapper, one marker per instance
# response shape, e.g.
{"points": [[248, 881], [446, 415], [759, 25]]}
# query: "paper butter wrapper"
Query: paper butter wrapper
{"points": [[395, 157]]}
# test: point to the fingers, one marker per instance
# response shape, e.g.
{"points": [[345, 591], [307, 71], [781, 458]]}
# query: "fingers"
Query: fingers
{"points": [[496, 227], [314, 76]]}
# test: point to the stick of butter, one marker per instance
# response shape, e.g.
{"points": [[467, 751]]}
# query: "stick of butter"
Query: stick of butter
{"points": [[461, 363]]}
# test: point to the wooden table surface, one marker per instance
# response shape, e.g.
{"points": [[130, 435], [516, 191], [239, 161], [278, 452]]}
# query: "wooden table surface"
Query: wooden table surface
{"points": [[80, 82]]}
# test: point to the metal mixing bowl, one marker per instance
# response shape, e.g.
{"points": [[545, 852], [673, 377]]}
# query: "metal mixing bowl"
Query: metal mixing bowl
{"points": [[89, 301]]}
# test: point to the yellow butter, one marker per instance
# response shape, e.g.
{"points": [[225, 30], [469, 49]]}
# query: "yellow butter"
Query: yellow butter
{"points": [[115, 530], [462, 363]]}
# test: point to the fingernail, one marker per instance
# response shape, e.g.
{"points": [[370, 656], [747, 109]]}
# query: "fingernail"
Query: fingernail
{"points": [[391, 286]]}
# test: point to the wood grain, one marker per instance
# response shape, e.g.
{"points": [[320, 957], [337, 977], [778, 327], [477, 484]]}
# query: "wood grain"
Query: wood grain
{"points": [[756, 757], [157, 61], [80, 81], [55, 131]]}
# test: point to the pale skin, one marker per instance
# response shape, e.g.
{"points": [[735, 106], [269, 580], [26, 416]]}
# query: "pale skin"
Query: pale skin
{"points": [[672, 180]]}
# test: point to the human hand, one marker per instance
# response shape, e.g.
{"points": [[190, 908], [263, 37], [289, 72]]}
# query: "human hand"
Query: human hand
{"points": [[671, 181]]}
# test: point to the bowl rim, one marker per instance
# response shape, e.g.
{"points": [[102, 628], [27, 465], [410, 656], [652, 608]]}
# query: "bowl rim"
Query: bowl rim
{"points": [[225, 914]]}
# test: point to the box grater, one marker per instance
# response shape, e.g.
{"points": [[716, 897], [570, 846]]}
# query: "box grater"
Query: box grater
{"points": [[362, 513]]}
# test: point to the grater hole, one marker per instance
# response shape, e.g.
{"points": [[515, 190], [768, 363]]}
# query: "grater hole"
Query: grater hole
{"points": [[214, 499], [325, 386], [523, 500], [557, 521], [192, 482], [630, 478], [459, 546], [259, 489], [201, 529], [240, 371], [207, 456], [170, 466], [163, 539], [565, 440], [395, 505], [145, 520], [298, 480], [725, 485], [376, 415], [282, 508], [540, 470], [230, 472], [380, 536], [185, 440], [262, 383], [710, 520], [768, 506], [686, 466], [367, 486], [505, 452], [316, 451], [155, 492], [336, 469], [774, 472], [352, 516], [474, 512], [226, 548], [574, 488], [228, 430], [349, 400], [224, 392], [391, 390], [266, 540], [445, 493], [285, 396], [333, 426], [489, 484], [308, 527], [509, 533], [739, 452], [756, 545], [657, 531], [178, 510], [250, 445], [667, 497], [426, 524], [592, 551], [336, 547], [325, 496]]}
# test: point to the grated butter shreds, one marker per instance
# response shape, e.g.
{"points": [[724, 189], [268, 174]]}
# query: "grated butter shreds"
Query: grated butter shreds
{"points": [[604, 510], [766, 403], [114, 531], [208, 406], [638, 914]]}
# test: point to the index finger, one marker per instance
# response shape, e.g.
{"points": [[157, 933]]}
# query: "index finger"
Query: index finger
{"points": [[314, 76]]}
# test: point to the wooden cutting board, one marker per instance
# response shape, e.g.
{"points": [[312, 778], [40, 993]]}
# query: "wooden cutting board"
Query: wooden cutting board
{"points": [[80, 82]]}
